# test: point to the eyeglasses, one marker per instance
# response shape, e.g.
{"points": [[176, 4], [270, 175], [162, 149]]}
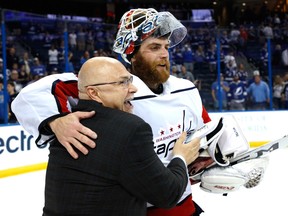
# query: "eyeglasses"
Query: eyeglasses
{"points": [[124, 83]]}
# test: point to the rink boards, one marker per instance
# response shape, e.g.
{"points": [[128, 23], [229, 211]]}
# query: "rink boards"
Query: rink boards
{"points": [[19, 153]]}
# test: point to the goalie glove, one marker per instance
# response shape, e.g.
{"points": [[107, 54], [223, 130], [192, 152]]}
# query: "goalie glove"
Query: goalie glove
{"points": [[221, 140], [228, 179], [230, 143], [207, 133]]}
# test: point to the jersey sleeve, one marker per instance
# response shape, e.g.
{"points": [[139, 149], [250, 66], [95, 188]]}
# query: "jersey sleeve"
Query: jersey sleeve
{"points": [[42, 100]]}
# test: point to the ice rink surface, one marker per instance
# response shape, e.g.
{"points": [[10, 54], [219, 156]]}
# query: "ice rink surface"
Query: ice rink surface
{"points": [[24, 194]]}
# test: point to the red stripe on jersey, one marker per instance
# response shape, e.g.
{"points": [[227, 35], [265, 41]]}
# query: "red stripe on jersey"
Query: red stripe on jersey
{"points": [[61, 91], [205, 115], [184, 208]]}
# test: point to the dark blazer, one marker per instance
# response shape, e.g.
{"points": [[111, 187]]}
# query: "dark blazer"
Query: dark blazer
{"points": [[118, 177]]}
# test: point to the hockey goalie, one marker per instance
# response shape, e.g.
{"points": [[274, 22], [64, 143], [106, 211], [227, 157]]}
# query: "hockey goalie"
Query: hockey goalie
{"points": [[217, 168]]}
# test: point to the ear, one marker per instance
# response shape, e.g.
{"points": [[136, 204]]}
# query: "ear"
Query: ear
{"points": [[94, 94]]}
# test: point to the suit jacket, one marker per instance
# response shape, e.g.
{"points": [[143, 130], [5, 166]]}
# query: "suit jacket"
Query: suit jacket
{"points": [[118, 177]]}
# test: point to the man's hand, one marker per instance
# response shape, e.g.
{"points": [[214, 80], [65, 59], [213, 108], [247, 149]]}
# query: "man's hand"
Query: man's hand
{"points": [[189, 151], [70, 132]]}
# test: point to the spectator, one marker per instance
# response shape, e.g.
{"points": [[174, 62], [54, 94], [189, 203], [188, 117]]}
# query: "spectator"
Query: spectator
{"points": [[95, 53], [276, 56], [243, 38], [237, 94], [12, 58], [52, 58], [14, 77], [234, 34], [186, 74], [258, 93], [278, 87], [230, 69], [211, 57], [47, 40], [81, 40], [26, 61], [268, 31], [37, 69], [84, 57], [242, 73], [264, 58], [230, 61], [177, 56], [61, 57], [2, 114], [71, 67], [200, 59], [174, 71], [284, 94], [225, 42], [72, 40], [2, 72], [188, 58], [200, 54], [90, 41], [284, 57], [12, 95], [221, 92]]}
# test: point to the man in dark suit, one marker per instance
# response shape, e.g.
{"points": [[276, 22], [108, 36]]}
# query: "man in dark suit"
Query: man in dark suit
{"points": [[123, 173]]}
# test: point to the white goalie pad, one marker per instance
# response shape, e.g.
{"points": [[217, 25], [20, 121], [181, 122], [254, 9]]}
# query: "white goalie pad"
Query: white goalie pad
{"points": [[221, 140], [228, 179], [222, 180], [230, 143]]}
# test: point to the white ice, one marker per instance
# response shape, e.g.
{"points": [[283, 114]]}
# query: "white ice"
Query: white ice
{"points": [[24, 194]]}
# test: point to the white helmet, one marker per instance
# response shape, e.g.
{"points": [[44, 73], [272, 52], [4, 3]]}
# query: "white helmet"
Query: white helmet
{"points": [[138, 24]]}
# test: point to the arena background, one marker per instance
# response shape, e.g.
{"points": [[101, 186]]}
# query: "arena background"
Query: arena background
{"points": [[22, 164], [226, 10]]}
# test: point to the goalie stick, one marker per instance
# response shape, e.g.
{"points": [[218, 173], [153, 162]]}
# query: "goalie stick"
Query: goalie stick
{"points": [[251, 154], [261, 150]]}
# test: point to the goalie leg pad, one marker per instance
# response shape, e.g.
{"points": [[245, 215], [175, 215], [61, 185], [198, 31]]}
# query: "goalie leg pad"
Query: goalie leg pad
{"points": [[222, 180], [228, 179]]}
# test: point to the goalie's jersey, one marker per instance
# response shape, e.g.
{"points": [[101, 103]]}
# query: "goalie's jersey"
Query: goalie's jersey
{"points": [[178, 108]]}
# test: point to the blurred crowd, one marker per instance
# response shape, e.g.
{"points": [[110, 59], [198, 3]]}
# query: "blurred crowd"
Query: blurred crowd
{"points": [[36, 48]]}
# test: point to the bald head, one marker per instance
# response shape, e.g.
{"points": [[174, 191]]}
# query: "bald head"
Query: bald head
{"points": [[98, 70], [107, 81]]}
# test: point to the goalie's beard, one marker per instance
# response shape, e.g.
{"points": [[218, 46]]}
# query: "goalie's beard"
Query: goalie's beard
{"points": [[149, 72], [198, 166]]}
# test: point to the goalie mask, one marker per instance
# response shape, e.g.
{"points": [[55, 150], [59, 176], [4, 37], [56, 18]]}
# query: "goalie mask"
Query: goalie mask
{"points": [[138, 24]]}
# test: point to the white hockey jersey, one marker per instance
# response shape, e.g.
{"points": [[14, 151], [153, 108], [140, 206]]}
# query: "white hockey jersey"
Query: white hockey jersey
{"points": [[177, 109]]}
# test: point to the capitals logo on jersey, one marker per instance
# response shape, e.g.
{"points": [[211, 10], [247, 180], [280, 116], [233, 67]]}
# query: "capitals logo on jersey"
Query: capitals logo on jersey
{"points": [[177, 109]]}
